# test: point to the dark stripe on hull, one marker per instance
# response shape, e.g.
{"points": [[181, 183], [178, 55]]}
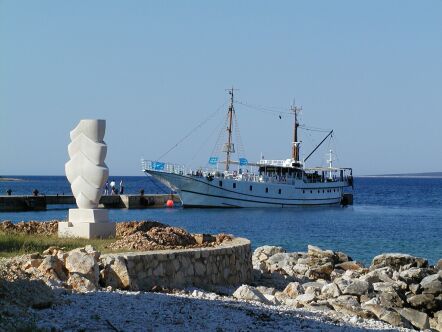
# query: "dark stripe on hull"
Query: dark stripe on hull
{"points": [[252, 201]]}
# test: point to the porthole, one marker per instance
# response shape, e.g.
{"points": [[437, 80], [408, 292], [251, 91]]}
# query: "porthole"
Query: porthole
{"points": [[279, 191], [220, 183], [234, 185], [251, 188], [267, 190]]}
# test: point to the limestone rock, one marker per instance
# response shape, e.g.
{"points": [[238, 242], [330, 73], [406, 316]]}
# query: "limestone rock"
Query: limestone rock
{"points": [[320, 272], [419, 319], [424, 301], [266, 290], [391, 299], [293, 289], [439, 264], [280, 261], [80, 262], [116, 274], [318, 252], [330, 290], [357, 287], [246, 292], [432, 284], [396, 260], [305, 299], [349, 305], [350, 265], [80, 283], [53, 268], [387, 315], [388, 287], [413, 275]]}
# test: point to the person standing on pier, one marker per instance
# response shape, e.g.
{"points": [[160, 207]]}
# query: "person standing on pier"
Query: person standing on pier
{"points": [[113, 189], [121, 187], [106, 188]]}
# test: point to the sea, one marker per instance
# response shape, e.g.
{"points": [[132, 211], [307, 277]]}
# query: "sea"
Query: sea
{"points": [[389, 214]]}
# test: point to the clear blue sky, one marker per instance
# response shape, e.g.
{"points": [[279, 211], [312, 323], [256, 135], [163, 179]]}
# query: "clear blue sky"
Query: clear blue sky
{"points": [[371, 70]]}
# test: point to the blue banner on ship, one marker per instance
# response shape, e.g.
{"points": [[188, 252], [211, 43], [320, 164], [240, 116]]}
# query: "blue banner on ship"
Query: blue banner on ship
{"points": [[213, 160], [243, 161], [157, 166]]}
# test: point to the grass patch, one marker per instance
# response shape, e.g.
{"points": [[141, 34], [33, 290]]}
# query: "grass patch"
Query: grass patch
{"points": [[20, 244]]}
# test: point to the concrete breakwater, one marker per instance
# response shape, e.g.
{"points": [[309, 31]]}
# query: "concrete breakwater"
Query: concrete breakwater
{"points": [[40, 203]]}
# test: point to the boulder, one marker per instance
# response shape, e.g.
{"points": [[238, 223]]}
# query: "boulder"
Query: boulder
{"points": [[389, 316], [349, 305], [342, 257], [341, 283], [396, 260], [439, 264], [391, 299], [422, 301], [418, 319], [280, 261], [320, 272], [349, 265], [413, 275], [81, 262], [314, 251], [266, 290], [432, 284], [115, 273], [357, 287], [293, 289], [80, 284], [249, 293], [305, 299], [53, 268], [385, 287], [330, 290], [414, 288]]}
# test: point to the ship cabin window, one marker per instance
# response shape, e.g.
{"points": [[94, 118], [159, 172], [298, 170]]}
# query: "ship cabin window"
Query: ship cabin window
{"points": [[279, 191], [251, 188], [323, 191], [234, 185], [319, 191], [220, 183], [303, 191], [311, 191], [267, 190]]}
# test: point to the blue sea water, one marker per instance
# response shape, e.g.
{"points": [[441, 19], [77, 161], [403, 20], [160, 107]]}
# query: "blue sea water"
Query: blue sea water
{"points": [[388, 215]]}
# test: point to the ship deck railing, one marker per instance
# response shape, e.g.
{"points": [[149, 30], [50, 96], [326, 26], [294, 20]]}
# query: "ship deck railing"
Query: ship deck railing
{"points": [[313, 177]]}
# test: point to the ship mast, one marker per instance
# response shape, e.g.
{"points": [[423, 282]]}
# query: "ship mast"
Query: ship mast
{"points": [[295, 145], [229, 148]]}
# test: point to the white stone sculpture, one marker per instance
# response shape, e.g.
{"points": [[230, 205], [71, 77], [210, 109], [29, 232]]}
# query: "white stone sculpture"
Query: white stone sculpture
{"points": [[87, 172]]}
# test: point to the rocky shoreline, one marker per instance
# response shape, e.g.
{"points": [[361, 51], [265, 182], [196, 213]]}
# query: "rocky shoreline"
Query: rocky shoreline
{"points": [[317, 289]]}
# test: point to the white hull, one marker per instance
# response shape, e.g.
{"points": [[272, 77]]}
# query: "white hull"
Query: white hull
{"points": [[220, 192]]}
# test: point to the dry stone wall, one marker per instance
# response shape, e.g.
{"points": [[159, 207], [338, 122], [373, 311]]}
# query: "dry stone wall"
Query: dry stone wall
{"points": [[227, 264]]}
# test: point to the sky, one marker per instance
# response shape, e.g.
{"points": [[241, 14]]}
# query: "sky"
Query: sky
{"points": [[157, 71]]}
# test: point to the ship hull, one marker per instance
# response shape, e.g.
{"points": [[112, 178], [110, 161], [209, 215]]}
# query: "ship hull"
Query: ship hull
{"points": [[201, 192]]}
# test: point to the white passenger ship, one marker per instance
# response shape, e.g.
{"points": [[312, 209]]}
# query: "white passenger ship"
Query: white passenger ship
{"points": [[268, 183]]}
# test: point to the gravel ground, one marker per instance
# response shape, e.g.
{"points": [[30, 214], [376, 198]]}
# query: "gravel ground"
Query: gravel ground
{"points": [[198, 311]]}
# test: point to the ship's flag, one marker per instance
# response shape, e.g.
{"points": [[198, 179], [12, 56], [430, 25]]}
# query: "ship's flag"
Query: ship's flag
{"points": [[157, 166], [243, 161], [213, 160]]}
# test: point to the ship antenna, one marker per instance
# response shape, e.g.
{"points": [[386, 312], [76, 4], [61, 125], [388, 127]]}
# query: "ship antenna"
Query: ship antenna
{"points": [[229, 147], [295, 145]]}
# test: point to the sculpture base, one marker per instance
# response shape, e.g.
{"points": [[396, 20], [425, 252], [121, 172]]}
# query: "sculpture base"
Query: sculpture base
{"points": [[87, 224]]}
